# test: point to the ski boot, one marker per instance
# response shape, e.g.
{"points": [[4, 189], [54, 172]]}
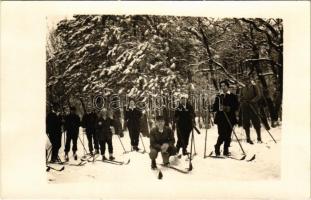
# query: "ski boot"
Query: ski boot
{"points": [[96, 151], [153, 165], [104, 158], [111, 157], [227, 153], [75, 156], [249, 141]]}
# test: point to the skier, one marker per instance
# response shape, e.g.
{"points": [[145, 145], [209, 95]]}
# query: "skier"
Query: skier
{"points": [[89, 123], [72, 124], [104, 130], [54, 131], [184, 119], [225, 106], [161, 140], [249, 96], [132, 118]]}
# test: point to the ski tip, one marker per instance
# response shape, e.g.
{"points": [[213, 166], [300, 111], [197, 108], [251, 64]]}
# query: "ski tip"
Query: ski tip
{"points": [[243, 158], [62, 168], [48, 168], [160, 175], [128, 162], [252, 158]]}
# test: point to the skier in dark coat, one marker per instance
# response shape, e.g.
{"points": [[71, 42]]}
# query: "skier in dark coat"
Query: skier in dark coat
{"points": [[132, 118], [104, 129], [54, 131], [249, 97], [72, 124], [161, 140], [89, 123], [225, 106], [184, 119]]}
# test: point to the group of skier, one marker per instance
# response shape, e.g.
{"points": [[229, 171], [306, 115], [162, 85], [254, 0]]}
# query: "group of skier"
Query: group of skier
{"points": [[99, 126]]}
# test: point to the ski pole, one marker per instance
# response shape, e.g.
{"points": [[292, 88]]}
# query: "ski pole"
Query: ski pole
{"points": [[253, 109], [142, 141], [195, 152], [82, 144], [236, 137], [190, 155], [122, 145], [48, 154], [205, 143]]}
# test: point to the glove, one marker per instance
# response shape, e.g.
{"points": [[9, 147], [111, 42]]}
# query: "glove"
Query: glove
{"points": [[227, 108], [164, 147]]}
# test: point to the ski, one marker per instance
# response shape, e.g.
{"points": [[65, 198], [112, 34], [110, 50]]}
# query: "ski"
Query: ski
{"points": [[115, 162], [231, 157], [48, 168], [139, 151], [78, 164], [252, 158], [205, 156], [175, 168], [224, 157], [90, 158]]}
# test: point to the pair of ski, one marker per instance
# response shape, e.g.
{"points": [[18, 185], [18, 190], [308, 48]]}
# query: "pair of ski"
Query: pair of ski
{"points": [[48, 168], [160, 174], [139, 151], [115, 162], [230, 157]]}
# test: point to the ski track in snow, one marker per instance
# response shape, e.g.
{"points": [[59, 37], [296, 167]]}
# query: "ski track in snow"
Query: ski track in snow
{"points": [[266, 166]]}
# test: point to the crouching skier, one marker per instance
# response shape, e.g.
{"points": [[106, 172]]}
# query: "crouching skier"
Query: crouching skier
{"points": [[161, 140], [104, 129]]}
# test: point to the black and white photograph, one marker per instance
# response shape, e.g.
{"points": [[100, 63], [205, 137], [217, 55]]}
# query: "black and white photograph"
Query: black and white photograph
{"points": [[161, 100], [172, 97]]}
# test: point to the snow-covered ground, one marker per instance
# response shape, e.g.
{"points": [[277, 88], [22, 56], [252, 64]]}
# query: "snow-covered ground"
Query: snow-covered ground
{"points": [[266, 166]]}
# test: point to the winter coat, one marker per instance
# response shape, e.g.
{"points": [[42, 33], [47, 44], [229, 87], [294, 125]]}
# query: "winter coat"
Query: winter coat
{"points": [[53, 123], [103, 128], [89, 122], [157, 138], [132, 118], [228, 100], [184, 117], [72, 123], [249, 97]]}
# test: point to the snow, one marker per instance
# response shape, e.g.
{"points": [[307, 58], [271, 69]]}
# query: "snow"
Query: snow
{"points": [[266, 166]]}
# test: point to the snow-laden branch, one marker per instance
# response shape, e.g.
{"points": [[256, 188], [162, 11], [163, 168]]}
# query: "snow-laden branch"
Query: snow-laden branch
{"points": [[263, 59], [227, 73]]}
